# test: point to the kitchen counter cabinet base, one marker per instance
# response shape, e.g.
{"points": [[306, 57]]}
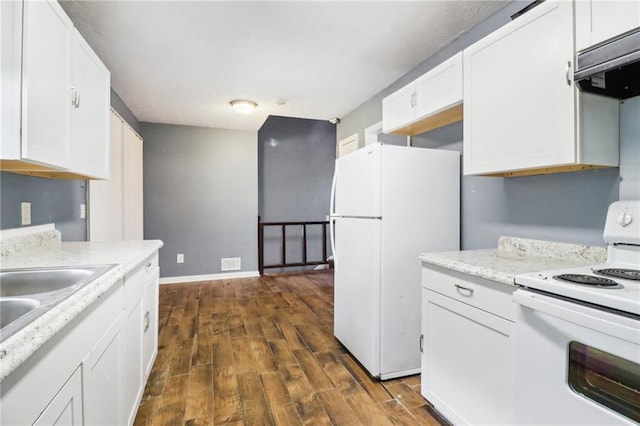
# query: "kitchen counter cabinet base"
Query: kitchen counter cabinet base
{"points": [[467, 349]]}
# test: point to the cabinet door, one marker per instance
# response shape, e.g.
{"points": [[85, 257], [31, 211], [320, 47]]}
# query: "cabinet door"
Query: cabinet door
{"points": [[132, 186], [599, 20], [150, 329], [46, 83], [519, 94], [467, 362], [66, 406], [90, 125], [105, 196], [440, 88], [398, 109], [102, 375], [133, 382]]}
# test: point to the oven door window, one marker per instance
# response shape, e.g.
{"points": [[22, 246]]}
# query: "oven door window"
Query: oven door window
{"points": [[607, 379]]}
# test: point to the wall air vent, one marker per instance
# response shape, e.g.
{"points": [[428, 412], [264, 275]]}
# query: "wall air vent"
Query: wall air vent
{"points": [[230, 264]]}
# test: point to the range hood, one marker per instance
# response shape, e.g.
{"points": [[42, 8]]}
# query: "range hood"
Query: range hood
{"points": [[611, 69]]}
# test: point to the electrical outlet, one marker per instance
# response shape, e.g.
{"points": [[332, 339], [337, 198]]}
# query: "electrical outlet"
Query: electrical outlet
{"points": [[83, 211], [25, 209], [180, 258]]}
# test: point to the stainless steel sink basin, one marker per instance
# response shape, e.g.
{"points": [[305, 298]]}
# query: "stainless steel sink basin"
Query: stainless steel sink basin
{"points": [[22, 282], [26, 294], [13, 308]]}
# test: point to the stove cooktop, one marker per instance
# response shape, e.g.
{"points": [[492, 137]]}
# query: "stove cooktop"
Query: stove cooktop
{"points": [[586, 284]]}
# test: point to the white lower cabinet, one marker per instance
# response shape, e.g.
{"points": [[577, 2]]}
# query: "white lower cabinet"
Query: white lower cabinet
{"points": [[141, 313], [93, 371], [66, 407], [102, 374], [468, 348]]}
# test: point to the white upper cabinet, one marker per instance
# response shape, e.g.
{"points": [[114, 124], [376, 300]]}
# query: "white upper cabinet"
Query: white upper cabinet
{"points": [[46, 84], [90, 114], [426, 103], [56, 95], [398, 109], [600, 20], [522, 111]]}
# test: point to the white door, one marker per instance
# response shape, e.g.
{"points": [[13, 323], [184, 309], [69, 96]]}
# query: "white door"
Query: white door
{"points": [[348, 145], [132, 186], [357, 289], [105, 196], [358, 183], [46, 83]]}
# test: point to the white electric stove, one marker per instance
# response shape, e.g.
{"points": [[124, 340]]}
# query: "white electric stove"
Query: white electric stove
{"points": [[578, 335]]}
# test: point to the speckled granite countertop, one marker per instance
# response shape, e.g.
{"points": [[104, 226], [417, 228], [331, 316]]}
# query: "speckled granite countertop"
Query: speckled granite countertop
{"points": [[126, 255], [514, 256]]}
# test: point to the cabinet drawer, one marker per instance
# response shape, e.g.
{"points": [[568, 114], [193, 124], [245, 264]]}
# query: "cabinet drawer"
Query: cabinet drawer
{"points": [[136, 280], [490, 296]]}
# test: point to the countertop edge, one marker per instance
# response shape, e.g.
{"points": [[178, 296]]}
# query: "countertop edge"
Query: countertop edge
{"points": [[489, 274], [19, 347]]}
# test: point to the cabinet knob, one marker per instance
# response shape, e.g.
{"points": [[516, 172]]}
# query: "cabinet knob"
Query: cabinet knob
{"points": [[147, 267]]}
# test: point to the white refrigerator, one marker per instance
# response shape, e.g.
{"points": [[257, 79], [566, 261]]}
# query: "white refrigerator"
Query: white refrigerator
{"points": [[389, 204]]}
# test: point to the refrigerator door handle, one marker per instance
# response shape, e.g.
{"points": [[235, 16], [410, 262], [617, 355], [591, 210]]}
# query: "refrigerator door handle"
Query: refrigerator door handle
{"points": [[332, 238], [332, 198]]}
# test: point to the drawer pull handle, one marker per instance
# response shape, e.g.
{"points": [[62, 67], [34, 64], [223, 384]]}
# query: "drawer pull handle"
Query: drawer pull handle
{"points": [[462, 288], [146, 321], [147, 267], [421, 343]]}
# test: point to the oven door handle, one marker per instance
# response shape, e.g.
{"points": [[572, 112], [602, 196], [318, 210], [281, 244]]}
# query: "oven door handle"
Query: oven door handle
{"points": [[602, 321]]}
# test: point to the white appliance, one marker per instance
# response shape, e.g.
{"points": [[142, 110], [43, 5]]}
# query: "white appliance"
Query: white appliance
{"points": [[578, 335], [388, 205]]}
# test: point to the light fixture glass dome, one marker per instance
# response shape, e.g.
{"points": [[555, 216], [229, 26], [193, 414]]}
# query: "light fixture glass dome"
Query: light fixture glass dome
{"points": [[243, 106]]}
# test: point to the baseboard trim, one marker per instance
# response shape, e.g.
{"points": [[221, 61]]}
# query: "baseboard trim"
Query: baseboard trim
{"points": [[209, 277]]}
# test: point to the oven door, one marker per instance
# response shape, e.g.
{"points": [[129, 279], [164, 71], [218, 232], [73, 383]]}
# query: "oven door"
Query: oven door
{"points": [[575, 365]]}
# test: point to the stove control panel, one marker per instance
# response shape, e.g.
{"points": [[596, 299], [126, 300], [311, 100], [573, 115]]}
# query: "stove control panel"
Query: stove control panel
{"points": [[623, 223]]}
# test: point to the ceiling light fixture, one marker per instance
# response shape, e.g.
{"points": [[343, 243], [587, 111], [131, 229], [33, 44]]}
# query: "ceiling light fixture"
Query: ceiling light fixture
{"points": [[243, 106], [334, 120]]}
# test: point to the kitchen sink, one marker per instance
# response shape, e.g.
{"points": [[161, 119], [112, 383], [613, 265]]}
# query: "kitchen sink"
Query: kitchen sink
{"points": [[23, 282], [13, 308], [26, 294]]}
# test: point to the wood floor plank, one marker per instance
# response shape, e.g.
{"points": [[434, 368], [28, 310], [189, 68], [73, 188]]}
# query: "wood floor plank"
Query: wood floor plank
{"points": [[285, 415], [337, 408], [424, 414], [262, 351], [398, 414], [313, 370], [172, 403], [406, 395], [226, 399], [337, 373], [200, 393], [254, 405]]}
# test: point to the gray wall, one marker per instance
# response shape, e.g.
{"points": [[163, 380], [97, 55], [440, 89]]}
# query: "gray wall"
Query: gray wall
{"points": [[296, 159], [567, 207], [52, 201], [124, 111], [200, 196]]}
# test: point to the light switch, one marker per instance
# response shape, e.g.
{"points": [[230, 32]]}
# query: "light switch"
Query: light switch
{"points": [[25, 213], [83, 211], [180, 258]]}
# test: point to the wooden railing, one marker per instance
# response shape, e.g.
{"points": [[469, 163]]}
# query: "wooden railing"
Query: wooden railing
{"points": [[283, 244]]}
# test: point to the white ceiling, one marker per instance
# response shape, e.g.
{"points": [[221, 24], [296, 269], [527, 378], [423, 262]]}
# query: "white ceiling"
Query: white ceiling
{"points": [[181, 62]]}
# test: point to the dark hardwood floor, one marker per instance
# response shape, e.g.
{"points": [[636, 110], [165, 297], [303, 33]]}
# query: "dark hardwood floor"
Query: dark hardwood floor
{"points": [[261, 351]]}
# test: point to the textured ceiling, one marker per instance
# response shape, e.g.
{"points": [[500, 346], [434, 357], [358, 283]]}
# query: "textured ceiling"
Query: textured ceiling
{"points": [[181, 62]]}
